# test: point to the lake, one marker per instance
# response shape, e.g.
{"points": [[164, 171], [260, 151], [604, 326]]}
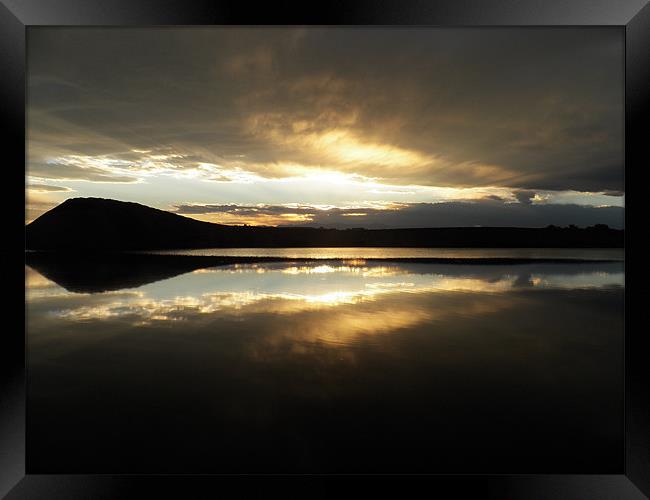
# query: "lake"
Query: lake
{"points": [[405, 252], [335, 366]]}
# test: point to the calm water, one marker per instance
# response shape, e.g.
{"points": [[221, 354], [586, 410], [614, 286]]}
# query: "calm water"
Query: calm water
{"points": [[406, 252], [331, 366]]}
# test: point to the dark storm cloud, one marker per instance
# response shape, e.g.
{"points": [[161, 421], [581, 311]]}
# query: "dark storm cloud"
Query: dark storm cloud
{"points": [[487, 212], [523, 108], [525, 197]]}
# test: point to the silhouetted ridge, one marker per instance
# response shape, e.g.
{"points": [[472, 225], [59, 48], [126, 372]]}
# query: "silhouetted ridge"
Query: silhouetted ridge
{"points": [[108, 225], [98, 223]]}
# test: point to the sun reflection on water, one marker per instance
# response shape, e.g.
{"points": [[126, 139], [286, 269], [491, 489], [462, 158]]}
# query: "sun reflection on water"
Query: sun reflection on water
{"points": [[300, 287]]}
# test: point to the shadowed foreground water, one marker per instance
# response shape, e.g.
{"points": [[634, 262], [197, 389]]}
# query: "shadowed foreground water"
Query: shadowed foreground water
{"points": [[331, 367]]}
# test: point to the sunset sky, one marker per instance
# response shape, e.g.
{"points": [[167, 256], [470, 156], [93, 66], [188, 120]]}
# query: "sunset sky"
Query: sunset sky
{"points": [[342, 127]]}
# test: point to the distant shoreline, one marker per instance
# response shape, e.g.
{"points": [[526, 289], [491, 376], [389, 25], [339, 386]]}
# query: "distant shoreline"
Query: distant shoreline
{"points": [[216, 260], [95, 224]]}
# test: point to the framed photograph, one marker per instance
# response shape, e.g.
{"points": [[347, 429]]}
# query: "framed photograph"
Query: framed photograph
{"points": [[282, 247]]}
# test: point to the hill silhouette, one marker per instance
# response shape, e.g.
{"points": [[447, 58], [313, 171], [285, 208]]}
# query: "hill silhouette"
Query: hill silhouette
{"points": [[97, 224]]}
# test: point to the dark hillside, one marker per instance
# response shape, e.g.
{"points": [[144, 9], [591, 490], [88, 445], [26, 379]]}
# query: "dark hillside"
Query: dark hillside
{"points": [[96, 223], [109, 225]]}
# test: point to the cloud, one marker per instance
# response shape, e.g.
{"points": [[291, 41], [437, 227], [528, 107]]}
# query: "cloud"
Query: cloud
{"points": [[62, 170], [525, 197], [613, 193], [525, 109], [133, 166], [485, 212], [44, 188]]}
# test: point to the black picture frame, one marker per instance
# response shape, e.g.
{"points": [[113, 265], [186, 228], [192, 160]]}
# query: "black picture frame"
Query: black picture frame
{"points": [[632, 16]]}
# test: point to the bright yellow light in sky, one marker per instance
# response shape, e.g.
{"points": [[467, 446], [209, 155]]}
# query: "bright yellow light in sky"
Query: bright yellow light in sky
{"points": [[383, 133], [347, 148]]}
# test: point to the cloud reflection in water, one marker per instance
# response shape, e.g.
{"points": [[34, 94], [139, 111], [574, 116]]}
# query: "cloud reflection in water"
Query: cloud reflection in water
{"points": [[339, 287], [297, 367]]}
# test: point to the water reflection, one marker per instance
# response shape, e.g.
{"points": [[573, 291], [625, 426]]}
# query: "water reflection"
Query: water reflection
{"points": [[284, 288], [326, 366]]}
